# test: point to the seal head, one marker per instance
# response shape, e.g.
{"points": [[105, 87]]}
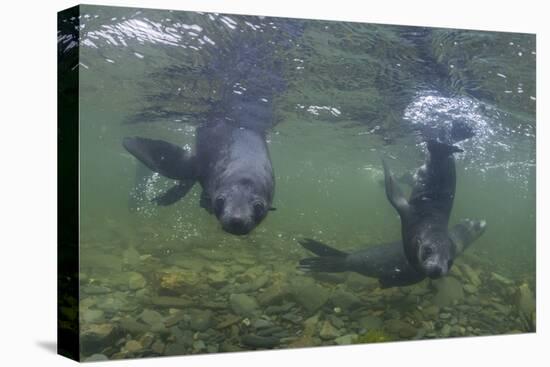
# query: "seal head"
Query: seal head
{"points": [[239, 207], [435, 254]]}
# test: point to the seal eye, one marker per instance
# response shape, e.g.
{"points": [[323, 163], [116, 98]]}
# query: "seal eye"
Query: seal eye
{"points": [[426, 253], [259, 209], [218, 205]]}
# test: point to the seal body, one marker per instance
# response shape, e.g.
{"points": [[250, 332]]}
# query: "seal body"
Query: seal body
{"points": [[386, 262], [425, 216], [231, 163]]}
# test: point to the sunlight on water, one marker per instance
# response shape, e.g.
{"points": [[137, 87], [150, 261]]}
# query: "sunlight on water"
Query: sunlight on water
{"points": [[493, 145]]}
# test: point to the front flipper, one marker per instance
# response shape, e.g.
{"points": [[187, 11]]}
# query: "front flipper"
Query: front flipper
{"points": [[165, 158], [394, 194], [175, 193]]}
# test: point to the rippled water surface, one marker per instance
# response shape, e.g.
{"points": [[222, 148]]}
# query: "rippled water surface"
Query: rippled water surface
{"points": [[334, 98]]}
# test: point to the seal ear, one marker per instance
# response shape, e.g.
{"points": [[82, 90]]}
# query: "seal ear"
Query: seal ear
{"points": [[394, 194], [159, 156]]}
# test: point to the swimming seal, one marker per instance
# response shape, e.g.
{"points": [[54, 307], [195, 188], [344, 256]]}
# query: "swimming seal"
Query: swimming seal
{"points": [[232, 164], [386, 262], [425, 216]]}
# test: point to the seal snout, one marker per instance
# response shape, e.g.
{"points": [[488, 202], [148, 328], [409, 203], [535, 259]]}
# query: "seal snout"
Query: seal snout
{"points": [[434, 272], [237, 226], [435, 269]]}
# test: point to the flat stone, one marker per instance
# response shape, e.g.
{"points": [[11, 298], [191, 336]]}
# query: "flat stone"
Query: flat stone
{"points": [[359, 282], [271, 331], [328, 331], [228, 321], [151, 317], [200, 320], [277, 310], [261, 324], [168, 301], [525, 300], [346, 339], [449, 291], [292, 317], [346, 300], [177, 280], [430, 312], [160, 328], [175, 349], [370, 322], [256, 341], [310, 295], [199, 345], [95, 289], [133, 346], [217, 279], [419, 290], [211, 254], [96, 358], [504, 309], [147, 339], [130, 256], [133, 326], [175, 319], [158, 347], [470, 289], [501, 279], [259, 282], [471, 274], [91, 316], [115, 302], [310, 325], [243, 304], [96, 337], [274, 294], [136, 281], [401, 328]]}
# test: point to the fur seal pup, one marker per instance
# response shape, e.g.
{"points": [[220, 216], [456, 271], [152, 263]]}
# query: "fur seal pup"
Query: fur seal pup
{"points": [[386, 262], [232, 164], [425, 216]]}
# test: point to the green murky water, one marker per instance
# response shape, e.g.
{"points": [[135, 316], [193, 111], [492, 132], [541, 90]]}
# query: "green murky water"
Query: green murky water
{"points": [[168, 280]]}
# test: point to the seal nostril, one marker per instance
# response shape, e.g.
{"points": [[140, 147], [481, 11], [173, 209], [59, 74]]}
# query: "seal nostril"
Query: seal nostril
{"points": [[237, 226]]}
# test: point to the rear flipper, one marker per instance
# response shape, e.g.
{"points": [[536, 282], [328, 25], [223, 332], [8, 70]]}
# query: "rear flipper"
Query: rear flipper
{"points": [[320, 249], [331, 260], [165, 158], [329, 264], [175, 193]]}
